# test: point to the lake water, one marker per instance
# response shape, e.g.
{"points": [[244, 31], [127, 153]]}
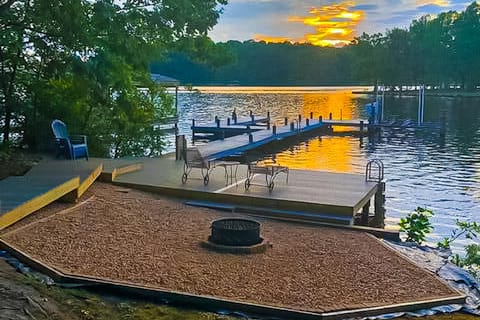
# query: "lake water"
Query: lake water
{"points": [[422, 168]]}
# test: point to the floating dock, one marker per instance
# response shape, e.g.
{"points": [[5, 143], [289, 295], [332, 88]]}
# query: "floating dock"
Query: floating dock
{"points": [[236, 145], [230, 127]]}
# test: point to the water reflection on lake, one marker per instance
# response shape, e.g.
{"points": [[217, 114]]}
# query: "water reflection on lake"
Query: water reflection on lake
{"points": [[421, 167]]}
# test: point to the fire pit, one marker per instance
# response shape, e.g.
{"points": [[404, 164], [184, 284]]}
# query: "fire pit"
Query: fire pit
{"points": [[235, 232], [236, 235]]}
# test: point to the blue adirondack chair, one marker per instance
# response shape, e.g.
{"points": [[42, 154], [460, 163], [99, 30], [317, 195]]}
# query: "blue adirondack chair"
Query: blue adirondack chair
{"points": [[71, 147]]}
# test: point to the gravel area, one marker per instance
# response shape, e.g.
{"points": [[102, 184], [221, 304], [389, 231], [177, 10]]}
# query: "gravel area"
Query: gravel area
{"points": [[141, 238]]}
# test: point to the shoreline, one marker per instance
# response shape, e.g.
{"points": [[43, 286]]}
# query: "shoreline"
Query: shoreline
{"points": [[430, 93]]}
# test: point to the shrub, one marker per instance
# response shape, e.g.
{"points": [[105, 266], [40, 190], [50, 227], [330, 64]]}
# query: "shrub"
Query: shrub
{"points": [[417, 225]]}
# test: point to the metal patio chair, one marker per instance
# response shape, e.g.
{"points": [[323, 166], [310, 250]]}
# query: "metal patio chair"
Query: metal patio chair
{"points": [[271, 171], [193, 159]]}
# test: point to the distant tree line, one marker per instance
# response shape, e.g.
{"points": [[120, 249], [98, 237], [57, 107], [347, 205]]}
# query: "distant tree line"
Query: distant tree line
{"points": [[435, 50]]}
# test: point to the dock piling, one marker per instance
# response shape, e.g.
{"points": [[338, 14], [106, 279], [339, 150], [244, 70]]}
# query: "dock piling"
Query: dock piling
{"points": [[311, 115], [217, 120], [307, 122], [250, 138], [234, 116], [228, 121], [330, 116], [299, 118], [320, 118], [292, 126], [365, 214], [361, 126], [379, 218], [274, 129], [286, 121]]}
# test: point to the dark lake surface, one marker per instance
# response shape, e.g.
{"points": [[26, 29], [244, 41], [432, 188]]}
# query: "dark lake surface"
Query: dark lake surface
{"points": [[422, 167]]}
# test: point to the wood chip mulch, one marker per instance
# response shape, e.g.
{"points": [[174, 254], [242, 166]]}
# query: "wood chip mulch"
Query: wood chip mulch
{"points": [[143, 239]]}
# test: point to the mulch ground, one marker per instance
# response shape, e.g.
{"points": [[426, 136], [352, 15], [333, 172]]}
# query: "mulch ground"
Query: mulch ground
{"points": [[140, 238]]}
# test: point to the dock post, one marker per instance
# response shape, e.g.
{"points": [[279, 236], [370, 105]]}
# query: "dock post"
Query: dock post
{"points": [[228, 121], [193, 131], [234, 116], [320, 118], [251, 113], [311, 115], [180, 147], [268, 124], [361, 126], [307, 122], [286, 121], [222, 135], [274, 129], [330, 116], [292, 126], [365, 214], [250, 138], [379, 218], [299, 118], [268, 115], [217, 121], [253, 118]]}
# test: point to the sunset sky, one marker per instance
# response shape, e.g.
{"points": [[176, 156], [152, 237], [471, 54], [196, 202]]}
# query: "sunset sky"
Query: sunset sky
{"points": [[321, 22]]}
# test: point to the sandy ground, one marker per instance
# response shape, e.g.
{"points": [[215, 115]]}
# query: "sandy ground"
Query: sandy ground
{"points": [[140, 238]]}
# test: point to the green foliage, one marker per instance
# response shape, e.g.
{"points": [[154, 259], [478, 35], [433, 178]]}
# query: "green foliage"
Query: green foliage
{"points": [[90, 78], [471, 260], [417, 225], [467, 229]]}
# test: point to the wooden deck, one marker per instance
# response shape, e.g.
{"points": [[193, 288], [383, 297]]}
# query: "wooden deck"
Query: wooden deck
{"points": [[323, 195], [52, 180]]}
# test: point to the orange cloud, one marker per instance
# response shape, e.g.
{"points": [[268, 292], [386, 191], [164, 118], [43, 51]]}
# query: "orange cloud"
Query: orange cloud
{"points": [[440, 3], [334, 24]]}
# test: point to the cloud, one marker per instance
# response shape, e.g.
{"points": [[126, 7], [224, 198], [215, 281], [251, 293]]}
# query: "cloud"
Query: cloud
{"points": [[273, 19], [333, 25], [438, 3]]}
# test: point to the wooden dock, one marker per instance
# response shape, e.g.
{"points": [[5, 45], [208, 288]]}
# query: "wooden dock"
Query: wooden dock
{"points": [[221, 129], [234, 139], [53, 180], [308, 195], [238, 144]]}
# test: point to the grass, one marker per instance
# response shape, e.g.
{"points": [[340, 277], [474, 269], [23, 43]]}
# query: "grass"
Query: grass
{"points": [[82, 304]]}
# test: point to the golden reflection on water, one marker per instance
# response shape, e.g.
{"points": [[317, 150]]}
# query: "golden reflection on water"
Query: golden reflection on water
{"points": [[327, 153]]}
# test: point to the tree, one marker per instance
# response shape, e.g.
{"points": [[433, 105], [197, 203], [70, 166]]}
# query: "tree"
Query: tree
{"points": [[90, 77]]}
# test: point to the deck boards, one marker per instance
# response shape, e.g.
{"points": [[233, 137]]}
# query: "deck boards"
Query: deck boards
{"points": [[308, 191]]}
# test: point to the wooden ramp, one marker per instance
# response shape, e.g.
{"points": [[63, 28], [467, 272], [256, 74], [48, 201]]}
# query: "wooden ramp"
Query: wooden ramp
{"points": [[51, 180], [20, 196]]}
